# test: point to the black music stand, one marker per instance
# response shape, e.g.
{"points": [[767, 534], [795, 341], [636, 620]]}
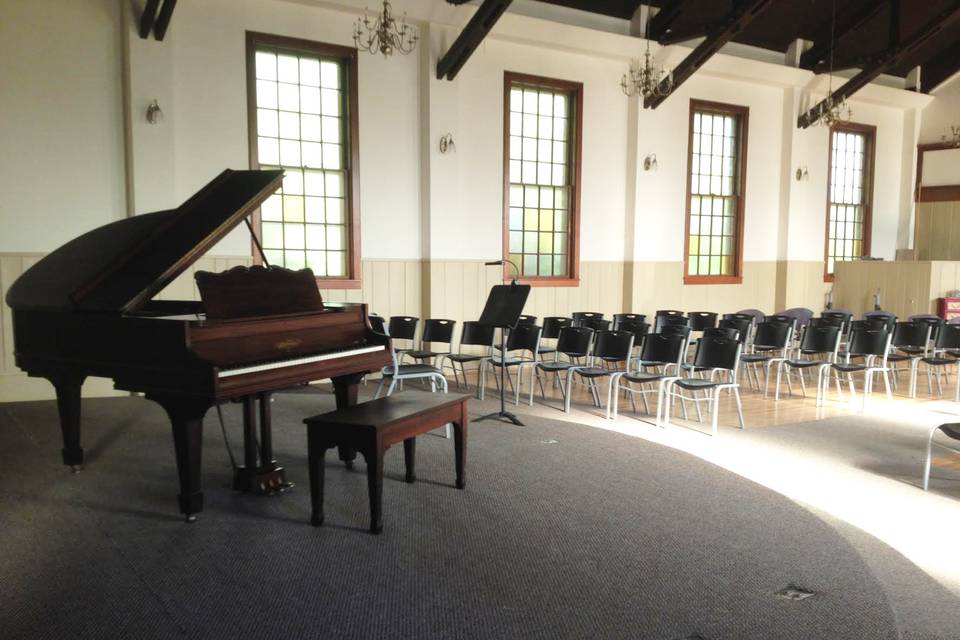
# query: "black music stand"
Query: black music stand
{"points": [[502, 311]]}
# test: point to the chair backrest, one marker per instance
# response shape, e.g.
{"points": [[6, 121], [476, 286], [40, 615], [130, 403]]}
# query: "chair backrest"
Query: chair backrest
{"points": [[829, 321], [638, 328], [476, 334], [700, 320], [662, 347], [742, 316], [669, 312], [757, 315], [580, 315], [773, 334], [377, 324], [525, 337], [632, 317], [527, 320], [935, 323], [821, 338], [675, 330], [911, 334], [614, 346], [574, 342], [869, 324], [553, 325], [722, 332], [949, 337], [661, 321], [403, 327], [868, 342], [438, 330], [597, 324], [783, 319], [742, 325], [889, 318], [802, 315], [843, 316], [717, 352]]}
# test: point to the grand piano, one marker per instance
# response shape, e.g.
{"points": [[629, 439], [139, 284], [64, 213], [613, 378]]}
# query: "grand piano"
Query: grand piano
{"points": [[87, 309]]}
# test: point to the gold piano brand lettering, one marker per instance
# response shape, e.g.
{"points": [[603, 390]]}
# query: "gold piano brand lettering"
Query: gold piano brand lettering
{"points": [[288, 344]]}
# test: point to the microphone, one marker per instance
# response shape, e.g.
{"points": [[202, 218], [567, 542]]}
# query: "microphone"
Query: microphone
{"points": [[513, 282]]}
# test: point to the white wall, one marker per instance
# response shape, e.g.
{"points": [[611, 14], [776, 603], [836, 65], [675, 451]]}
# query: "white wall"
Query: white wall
{"points": [[943, 112], [61, 121]]}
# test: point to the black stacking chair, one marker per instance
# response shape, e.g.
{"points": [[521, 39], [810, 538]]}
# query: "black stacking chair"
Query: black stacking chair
{"points": [[817, 339], [637, 327], [526, 339], [576, 315], [377, 323], [952, 431], [668, 312], [935, 323], [701, 320], [527, 320], [473, 334], [946, 353], [574, 343], [662, 320], [551, 331], [742, 325], [597, 324], [889, 318], [869, 344], [676, 329], [403, 328], [909, 344], [660, 351], [716, 354], [435, 331], [768, 339], [629, 317], [608, 347], [741, 316], [397, 373], [843, 316]]}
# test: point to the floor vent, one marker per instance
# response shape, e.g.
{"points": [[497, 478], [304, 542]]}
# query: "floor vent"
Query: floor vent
{"points": [[793, 592]]}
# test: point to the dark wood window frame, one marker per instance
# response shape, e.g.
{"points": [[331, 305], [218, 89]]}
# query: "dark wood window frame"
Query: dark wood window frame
{"points": [[742, 113], [348, 56], [575, 90], [870, 134]]}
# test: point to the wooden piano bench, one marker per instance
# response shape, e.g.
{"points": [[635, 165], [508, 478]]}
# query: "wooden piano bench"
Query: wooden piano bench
{"points": [[371, 427]]}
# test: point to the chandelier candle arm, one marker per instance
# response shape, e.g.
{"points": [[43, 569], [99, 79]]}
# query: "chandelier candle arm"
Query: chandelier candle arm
{"points": [[383, 35]]}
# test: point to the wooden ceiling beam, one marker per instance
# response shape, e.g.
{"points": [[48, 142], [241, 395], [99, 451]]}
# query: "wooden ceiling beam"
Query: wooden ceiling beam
{"points": [[743, 14], [888, 59], [472, 35], [662, 22], [148, 17], [163, 20], [940, 68], [849, 20]]}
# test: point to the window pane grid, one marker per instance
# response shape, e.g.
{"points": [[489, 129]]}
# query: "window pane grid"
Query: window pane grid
{"points": [[540, 181], [301, 128], [714, 194], [845, 227]]}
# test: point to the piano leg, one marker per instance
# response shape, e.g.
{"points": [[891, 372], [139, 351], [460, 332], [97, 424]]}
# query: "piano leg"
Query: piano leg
{"points": [[68, 405], [186, 418], [345, 391], [259, 473]]}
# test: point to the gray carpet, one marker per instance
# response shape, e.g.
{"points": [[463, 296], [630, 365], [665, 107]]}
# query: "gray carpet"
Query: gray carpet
{"points": [[564, 531]]}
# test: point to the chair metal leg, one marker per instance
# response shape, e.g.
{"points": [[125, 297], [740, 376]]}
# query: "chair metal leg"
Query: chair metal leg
{"points": [[716, 410], [393, 385], [736, 395], [379, 388], [926, 464], [566, 398]]}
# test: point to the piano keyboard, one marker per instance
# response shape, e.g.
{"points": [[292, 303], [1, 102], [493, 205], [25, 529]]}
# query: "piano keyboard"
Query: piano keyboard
{"points": [[280, 364]]}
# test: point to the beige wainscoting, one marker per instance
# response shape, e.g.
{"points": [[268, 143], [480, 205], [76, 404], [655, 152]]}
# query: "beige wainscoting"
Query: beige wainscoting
{"points": [[937, 231], [906, 288]]}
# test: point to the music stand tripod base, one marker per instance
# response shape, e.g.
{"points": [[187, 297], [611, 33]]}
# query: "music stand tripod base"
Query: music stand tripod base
{"points": [[502, 311]]}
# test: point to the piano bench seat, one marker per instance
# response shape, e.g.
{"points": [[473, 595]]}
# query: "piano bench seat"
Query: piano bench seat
{"points": [[371, 428]]}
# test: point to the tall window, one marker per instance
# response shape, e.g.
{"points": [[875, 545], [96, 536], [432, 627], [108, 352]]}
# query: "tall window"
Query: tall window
{"points": [[542, 160], [848, 203], [716, 161], [303, 119]]}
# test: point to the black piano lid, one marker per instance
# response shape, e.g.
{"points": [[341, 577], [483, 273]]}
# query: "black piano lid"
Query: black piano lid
{"points": [[122, 265]]}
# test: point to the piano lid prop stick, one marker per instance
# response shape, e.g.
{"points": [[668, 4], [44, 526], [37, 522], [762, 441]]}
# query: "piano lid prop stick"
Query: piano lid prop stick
{"points": [[256, 241]]}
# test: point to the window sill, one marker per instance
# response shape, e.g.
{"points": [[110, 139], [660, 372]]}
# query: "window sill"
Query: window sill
{"points": [[547, 282], [712, 279], [341, 283]]}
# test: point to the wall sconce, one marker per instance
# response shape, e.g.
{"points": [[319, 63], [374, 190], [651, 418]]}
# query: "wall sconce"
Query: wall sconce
{"points": [[154, 113], [446, 143], [802, 174], [650, 162]]}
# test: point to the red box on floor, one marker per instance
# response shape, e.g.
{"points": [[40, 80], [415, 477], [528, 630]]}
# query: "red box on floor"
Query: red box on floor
{"points": [[948, 308]]}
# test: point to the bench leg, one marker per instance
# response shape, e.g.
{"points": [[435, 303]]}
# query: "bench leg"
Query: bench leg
{"points": [[409, 458], [460, 448], [316, 455], [374, 460]]}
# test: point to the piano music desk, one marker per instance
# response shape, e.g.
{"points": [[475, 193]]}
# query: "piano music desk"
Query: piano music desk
{"points": [[372, 427]]}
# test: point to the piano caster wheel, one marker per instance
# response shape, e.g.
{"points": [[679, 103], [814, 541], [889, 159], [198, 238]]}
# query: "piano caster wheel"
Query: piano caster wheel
{"points": [[190, 518]]}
